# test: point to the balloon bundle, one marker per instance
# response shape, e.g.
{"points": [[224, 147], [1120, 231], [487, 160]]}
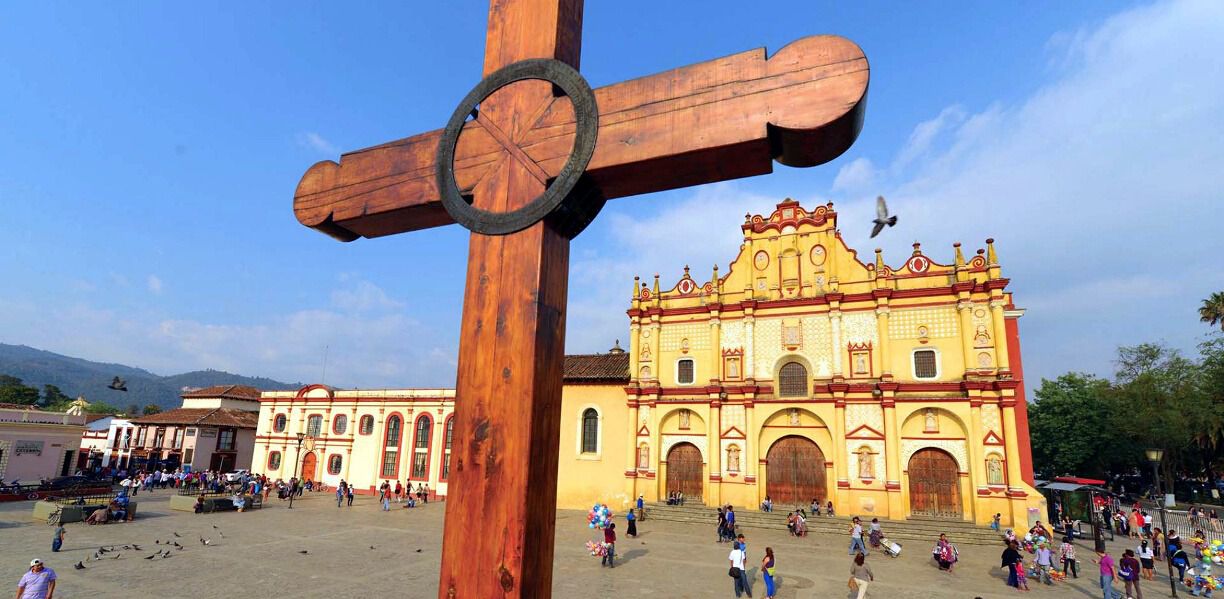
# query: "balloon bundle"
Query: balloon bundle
{"points": [[1210, 554], [597, 549], [599, 516], [1031, 542]]}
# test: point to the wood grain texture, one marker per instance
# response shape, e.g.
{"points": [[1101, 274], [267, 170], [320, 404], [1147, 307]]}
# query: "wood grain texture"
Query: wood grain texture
{"points": [[501, 504], [713, 121]]}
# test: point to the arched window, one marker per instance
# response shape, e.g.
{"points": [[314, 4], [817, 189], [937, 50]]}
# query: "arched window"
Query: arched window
{"points": [[340, 424], [420, 447], [446, 448], [792, 380], [590, 431], [366, 425], [334, 462], [278, 424], [274, 460], [314, 426], [391, 446]]}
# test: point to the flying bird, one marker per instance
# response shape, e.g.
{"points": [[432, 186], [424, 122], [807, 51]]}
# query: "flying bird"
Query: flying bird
{"points": [[118, 384], [79, 566], [882, 218]]}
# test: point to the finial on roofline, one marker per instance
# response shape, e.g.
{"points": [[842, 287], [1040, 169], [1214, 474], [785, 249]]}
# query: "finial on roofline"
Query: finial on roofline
{"points": [[960, 257], [616, 348], [991, 257], [879, 260], [917, 249], [637, 288]]}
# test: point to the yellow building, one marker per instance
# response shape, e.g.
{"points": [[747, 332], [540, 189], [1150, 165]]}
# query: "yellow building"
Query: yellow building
{"points": [[801, 373]]}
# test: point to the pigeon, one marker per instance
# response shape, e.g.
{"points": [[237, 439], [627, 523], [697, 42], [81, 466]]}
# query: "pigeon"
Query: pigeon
{"points": [[179, 547], [135, 547], [214, 526], [151, 556], [371, 547], [221, 533], [177, 534], [158, 541], [79, 566], [882, 218], [205, 542], [117, 556], [118, 384], [97, 555], [103, 550], [418, 550]]}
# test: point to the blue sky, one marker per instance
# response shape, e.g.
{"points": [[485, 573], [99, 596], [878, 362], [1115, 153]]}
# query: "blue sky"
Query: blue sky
{"points": [[150, 154]]}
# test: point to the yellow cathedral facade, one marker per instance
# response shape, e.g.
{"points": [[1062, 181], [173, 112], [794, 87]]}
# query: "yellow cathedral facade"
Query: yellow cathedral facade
{"points": [[803, 373]]}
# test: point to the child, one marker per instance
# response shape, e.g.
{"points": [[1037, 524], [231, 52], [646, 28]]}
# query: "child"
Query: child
{"points": [[994, 522], [610, 544], [57, 540], [1021, 581]]}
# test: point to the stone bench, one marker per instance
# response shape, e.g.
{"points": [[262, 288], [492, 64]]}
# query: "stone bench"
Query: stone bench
{"points": [[72, 513], [187, 503]]}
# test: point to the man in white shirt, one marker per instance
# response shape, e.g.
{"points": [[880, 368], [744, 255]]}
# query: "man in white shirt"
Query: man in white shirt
{"points": [[737, 568]]}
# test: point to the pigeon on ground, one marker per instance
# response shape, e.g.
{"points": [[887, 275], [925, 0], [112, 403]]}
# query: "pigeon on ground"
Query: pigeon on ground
{"points": [[118, 384], [135, 547], [158, 541], [97, 555], [882, 218], [303, 552], [79, 566], [117, 556], [151, 556], [214, 526], [177, 534], [179, 547], [371, 546], [418, 550], [205, 542], [221, 533], [103, 550]]}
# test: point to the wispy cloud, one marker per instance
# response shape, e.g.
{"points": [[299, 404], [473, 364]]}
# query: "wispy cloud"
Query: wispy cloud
{"points": [[316, 142], [154, 283]]}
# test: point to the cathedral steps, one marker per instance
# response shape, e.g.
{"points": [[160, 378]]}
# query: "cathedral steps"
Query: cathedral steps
{"points": [[921, 530]]}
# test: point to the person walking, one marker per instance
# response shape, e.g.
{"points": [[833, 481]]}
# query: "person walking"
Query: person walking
{"points": [[856, 537], [737, 572], [340, 490], [399, 490], [37, 583], [1146, 561], [386, 498], [1128, 571], [767, 569], [1106, 563], [860, 575], [1011, 558], [350, 496], [945, 553], [1066, 554], [641, 507], [609, 555], [722, 525], [631, 518], [57, 538], [1045, 563]]}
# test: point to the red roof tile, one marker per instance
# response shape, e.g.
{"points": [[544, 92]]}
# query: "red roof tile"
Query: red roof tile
{"points": [[590, 368], [227, 391], [203, 417]]}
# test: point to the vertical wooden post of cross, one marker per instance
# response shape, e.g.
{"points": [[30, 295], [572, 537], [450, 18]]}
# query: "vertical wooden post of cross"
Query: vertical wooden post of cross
{"points": [[508, 396]]}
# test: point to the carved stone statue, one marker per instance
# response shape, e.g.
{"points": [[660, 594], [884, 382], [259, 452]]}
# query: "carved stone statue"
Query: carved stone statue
{"points": [[994, 471], [733, 458], [866, 464], [932, 423]]}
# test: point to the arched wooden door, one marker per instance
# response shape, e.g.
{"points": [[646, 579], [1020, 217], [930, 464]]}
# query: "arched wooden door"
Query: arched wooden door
{"points": [[684, 471], [934, 485], [309, 462], [795, 472]]}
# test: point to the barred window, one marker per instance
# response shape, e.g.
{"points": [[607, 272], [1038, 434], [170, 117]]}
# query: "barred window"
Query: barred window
{"points": [[367, 424], [450, 433], [390, 466], [340, 424], [685, 371], [590, 431], [925, 365], [420, 454], [333, 463], [278, 425], [314, 426], [274, 460], [793, 380]]}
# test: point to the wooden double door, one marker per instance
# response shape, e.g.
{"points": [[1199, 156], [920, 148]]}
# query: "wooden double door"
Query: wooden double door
{"points": [[795, 472], [934, 485], [684, 472]]}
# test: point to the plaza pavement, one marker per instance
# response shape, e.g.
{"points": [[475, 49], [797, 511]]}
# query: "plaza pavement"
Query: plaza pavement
{"points": [[257, 554]]}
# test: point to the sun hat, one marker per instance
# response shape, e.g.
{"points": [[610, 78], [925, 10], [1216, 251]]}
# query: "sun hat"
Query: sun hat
{"points": [[35, 562]]}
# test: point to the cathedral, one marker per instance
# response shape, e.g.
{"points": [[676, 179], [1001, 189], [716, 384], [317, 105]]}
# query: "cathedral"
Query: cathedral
{"points": [[801, 373]]}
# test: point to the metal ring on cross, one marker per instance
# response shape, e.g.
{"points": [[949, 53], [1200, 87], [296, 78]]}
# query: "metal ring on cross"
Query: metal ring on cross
{"points": [[570, 200]]}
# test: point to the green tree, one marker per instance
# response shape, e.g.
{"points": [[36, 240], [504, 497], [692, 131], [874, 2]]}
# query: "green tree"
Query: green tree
{"points": [[52, 396], [1212, 311], [12, 390], [1070, 426], [152, 409]]}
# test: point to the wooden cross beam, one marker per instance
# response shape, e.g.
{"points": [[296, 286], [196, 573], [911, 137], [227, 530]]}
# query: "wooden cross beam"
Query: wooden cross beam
{"points": [[713, 121]]}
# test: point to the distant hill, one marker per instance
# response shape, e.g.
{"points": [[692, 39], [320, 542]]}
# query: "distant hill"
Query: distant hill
{"points": [[75, 376]]}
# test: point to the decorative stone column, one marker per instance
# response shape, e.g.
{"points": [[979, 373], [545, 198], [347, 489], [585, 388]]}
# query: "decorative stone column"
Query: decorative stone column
{"points": [[892, 452], [714, 449], [631, 463]]}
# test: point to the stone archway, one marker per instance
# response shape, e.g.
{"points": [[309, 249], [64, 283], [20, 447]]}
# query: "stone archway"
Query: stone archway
{"points": [[795, 471], [934, 484], [684, 471]]}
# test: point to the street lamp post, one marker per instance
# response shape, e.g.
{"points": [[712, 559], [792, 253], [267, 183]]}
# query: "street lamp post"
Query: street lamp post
{"points": [[1154, 456], [296, 457]]}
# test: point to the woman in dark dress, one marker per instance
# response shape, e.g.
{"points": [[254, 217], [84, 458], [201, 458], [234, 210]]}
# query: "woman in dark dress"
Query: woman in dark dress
{"points": [[632, 530], [1011, 556]]}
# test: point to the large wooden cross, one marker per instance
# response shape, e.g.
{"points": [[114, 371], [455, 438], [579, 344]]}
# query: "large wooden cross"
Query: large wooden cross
{"points": [[723, 119]]}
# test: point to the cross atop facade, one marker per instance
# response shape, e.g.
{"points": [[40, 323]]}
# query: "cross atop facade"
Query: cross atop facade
{"points": [[525, 162]]}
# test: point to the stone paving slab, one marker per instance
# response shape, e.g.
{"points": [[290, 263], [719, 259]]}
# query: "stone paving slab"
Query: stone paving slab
{"points": [[257, 554]]}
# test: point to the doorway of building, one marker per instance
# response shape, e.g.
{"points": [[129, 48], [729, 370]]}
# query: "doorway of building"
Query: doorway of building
{"points": [[309, 462], [684, 472], [934, 485], [795, 472]]}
